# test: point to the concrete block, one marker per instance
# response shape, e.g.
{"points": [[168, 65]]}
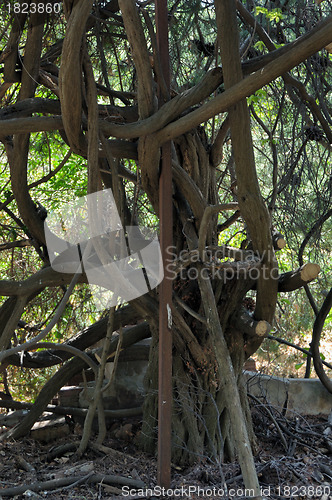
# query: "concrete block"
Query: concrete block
{"points": [[271, 390], [308, 397], [125, 391], [295, 395]]}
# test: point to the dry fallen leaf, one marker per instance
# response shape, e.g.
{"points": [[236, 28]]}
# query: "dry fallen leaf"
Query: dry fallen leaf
{"points": [[329, 48], [111, 489]]}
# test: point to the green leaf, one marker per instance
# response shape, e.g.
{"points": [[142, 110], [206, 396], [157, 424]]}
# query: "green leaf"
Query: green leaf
{"points": [[259, 45], [262, 10]]}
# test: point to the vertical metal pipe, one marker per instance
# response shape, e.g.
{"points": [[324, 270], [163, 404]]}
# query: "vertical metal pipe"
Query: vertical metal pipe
{"points": [[165, 291]]}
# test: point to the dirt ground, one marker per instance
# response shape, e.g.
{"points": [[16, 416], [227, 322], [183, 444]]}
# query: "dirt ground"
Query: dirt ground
{"points": [[293, 460]]}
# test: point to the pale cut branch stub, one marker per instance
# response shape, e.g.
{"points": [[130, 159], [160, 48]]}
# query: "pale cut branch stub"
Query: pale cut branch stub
{"points": [[244, 322], [296, 279]]}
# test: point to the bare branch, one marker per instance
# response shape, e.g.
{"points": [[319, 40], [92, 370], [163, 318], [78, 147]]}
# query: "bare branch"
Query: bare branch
{"points": [[244, 322], [15, 244], [300, 50], [204, 226], [135, 33], [293, 280], [70, 76]]}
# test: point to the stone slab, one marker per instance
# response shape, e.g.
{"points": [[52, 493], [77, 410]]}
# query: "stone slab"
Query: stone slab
{"points": [[293, 395]]}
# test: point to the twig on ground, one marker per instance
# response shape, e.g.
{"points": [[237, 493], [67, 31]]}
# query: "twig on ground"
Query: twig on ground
{"points": [[268, 411], [76, 483], [69, 410], [61, 450], [25, 465], [71, 481], [293, 443]]}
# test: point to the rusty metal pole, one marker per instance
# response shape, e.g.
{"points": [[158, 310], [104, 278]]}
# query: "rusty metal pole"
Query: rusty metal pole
{"points": [[165, 291]]}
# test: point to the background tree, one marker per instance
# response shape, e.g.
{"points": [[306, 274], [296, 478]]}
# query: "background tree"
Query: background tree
{"points": [[80, 112]]}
